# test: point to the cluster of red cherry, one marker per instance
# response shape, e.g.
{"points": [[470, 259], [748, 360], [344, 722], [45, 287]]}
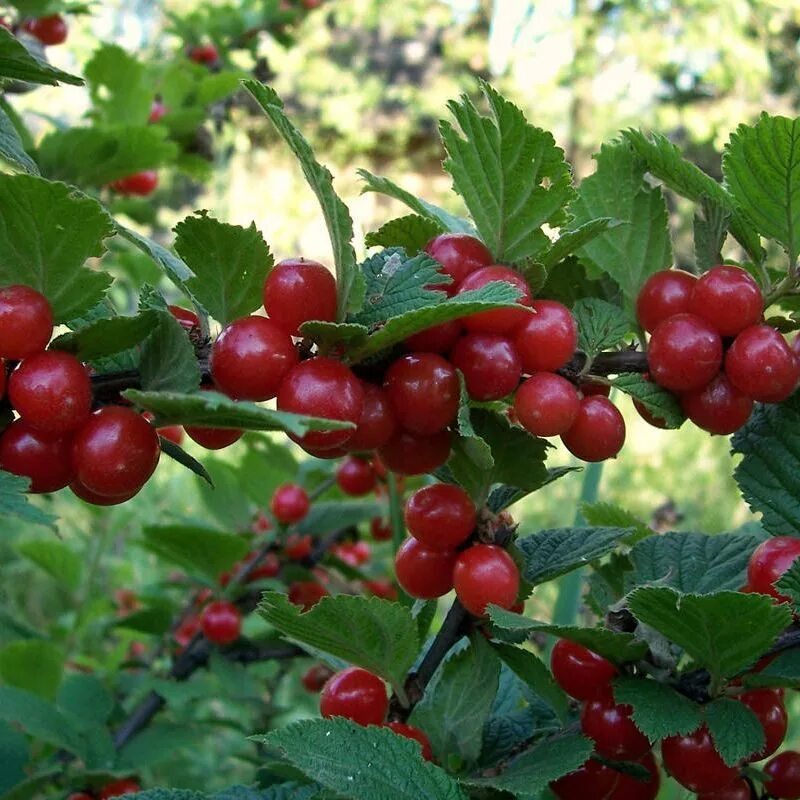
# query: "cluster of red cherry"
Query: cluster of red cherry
{"points": [[709, 345], [112, 789]]}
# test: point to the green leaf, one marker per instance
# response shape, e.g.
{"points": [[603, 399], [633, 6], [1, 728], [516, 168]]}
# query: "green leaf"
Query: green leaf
{"points": [[56, 558], [47, 232], [327, 517], [201, 551], [174, 268], [663, 405], [555, 552], [512, 176], [14, 502], [601, 325], [710, 231], [789, 583], [658, 710], [161, 742], [168, 362], [32, 664], [411, 232], [570, 241], [613, 516], [378, 635], [735, 729], [177, 453], [38, 718], [107, 336], [86, 696], [455, 708], [118, 86], [784, 670], [329, 335], [154, 620], [724, 632], [12, 150], [761, 164], [14, 757], [16, 62], [630, 253], [337, 216]]}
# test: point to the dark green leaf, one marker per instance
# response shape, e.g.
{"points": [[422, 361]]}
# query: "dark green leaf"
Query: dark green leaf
{"points": [[14, 757], [663, 405], [14, 502], [710, 231], [658, 710], [327, 517], [16, 62], [11, 148], [86, 696], [174, 268], [168, 362], [177, 453], [570, 241], [107, 336], [601, 325], [411, 232], [154, 620], [38, 718], [735, 729], [783, 670]]}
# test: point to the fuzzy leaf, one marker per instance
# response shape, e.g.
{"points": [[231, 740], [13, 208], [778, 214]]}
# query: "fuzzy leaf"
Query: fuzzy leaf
{"points": [[658, 710], [610, 515], [663, 405], [735, 729], [570, 241], [168, 362], [411, 232], [601, 325]]}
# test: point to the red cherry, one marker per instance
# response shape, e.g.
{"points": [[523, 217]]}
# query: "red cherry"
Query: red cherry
{"points": [[306, 593], [50, 30], [410, 732], [761, 364], [355, 694], [546, 341], [685, 353], [377, 422], [188, 319], [767, 705], [547, 404], [501, 320], [355, 476], [630, 788], [459, 254], [769, 561], [593, 780], [269, 567], [314, 677], [26, 322], [187, 630], [380, 530], [408, 454], [580, 672], [204, 54], [422, 572], [157, 112], [592, 388], [381, 587], [353, 553], [322, 387], [88, 496], [221, 622], [441, 516], [289, 503], [610, 726], [139, 184], [117, 788], [718, 407], [489, 363], [437, 339], [664, 295], [728, 298], [172, 433], [213, 438], [485, 574], [694, 762], [738, 790], [44, 458], [598, 432], [650, 419], [250, 359], [297, 291], [784, 776], [115, 452], [298, 547]]}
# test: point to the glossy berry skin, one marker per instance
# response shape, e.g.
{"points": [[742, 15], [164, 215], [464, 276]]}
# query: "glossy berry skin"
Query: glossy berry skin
{"points": [[548, 338], [610, 726], [502, 320], [204, 54], [459, 254], [140, 184], [172, 433], [718, 407], [694, 762], [306, 594], [26, 322], [44, 458], [485, 574], [580, 672], [377, 422], [423, 389], [315, 677], [115, 452], [117, 788], [685, 353], [598, 432], [437, 339], [95, 499], [762, 365], [728, 298], [490, 365], [50, 30], [664, 295], [289, 503], [381, 531], [630, 788], [738, 790], [440, 516], [355, 694], [422, 572], [52, 392], [250, 359], [355, 476], [297, 291], [767, 705], [187, 319], [221, 622], [769, 561], [410, 732], [784, 776], [593, 780], [407, 454], [323, 387], [547, 404], [213, 438]]}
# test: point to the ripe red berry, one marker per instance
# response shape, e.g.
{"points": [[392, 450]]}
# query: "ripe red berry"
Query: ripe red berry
{"points": [[323, 387], [115, 451], [88, 496], [422, 572], [784, 776], [221, 622], [381, 587], [306, 593], [204, 54], [172, 433], [761, 364], [580, 672], [289, 503], [459, 254], [44, 458], [410, 732], [49, 30], [355, 694], [297, 291], [139, 184], [694, 762], [547, 339], [356, 476], [490, 365], [269, 567], [769, 561], [187, 319], [187, 630], [407, 454], [718, 407], [502, 320], [685, 353], [547, 404], [610, 726], [353, 553], [157, 112], [315, 677], [593, 780], [51, 391], [117, 788], [437, 339], [484, 575], [629, 787], [592, 388], [377, 422], [381, 531], [767, 705], [250, 359], [598, 432], [297, 547], [26, 322], [213, 438], [441, 516], [664, 295], [728, 298], [738, 790]]}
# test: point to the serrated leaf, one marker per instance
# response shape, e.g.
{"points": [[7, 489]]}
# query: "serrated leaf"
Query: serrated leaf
{"points": [[378, 635], [18, 63], [177, 453], [329, 335], [411, 232], [629, 253], [12, 151], [735, 729], [229, 262], [570, 241], [663, 405], [14, 501], [610, 515], [710, 230], [35, 665], [601, 325], [47, 232], [56, 558], [789, 583], [761, 164], [723, 632], [658, 710], [107, 336], [337, 217], [168, 362], [512, 176]]}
